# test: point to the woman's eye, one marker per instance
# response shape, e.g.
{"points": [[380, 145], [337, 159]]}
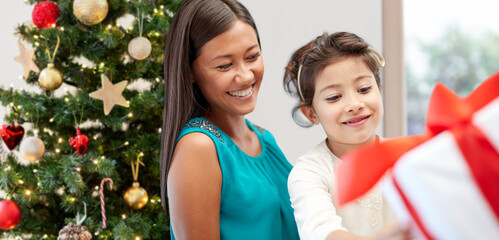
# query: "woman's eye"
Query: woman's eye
{"points": [[226, 66], [365, 90], [333, 98], [255, 56]]}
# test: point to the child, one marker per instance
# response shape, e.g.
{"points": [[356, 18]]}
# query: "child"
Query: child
{"points": [[225, 178], [336, 80]]}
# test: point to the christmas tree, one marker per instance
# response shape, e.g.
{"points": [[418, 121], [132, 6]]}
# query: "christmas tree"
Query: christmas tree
{"points": [[83, 151]]}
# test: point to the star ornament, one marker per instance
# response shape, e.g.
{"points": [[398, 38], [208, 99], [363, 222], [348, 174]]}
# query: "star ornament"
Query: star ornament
{"points": [[110, 94], [26, 59]]}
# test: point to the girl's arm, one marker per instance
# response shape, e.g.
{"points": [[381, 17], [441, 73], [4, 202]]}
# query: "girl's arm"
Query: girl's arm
{"points": [[314, 211], [194, 188]]}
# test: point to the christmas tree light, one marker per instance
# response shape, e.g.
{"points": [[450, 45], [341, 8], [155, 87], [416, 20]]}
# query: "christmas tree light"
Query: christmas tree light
{"points": [[49, 190]]}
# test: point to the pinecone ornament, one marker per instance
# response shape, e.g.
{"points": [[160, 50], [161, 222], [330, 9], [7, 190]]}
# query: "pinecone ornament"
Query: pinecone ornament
{"points": [[74, 232]]}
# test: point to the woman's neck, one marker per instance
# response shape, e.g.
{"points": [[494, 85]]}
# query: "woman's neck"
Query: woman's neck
{"points": [[233, 125], [339, 149], [236, 128]]}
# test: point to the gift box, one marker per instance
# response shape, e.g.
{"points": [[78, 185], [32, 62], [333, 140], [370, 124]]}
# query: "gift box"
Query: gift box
{"points": [[445, 183]]}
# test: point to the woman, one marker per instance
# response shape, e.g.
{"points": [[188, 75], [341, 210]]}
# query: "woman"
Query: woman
{"points": [[225, 178]]}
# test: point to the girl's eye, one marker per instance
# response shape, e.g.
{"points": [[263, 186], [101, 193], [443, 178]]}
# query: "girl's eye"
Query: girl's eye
{"points": [[255, 56], [333, 98], [224, 67], [365, 90]]}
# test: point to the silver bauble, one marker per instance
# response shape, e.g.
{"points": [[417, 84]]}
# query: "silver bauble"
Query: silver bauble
{"points": [[32, 149], [139, 48]]}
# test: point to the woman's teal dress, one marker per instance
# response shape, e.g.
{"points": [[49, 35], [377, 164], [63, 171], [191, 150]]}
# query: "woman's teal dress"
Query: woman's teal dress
{"points": [[255, 201]]}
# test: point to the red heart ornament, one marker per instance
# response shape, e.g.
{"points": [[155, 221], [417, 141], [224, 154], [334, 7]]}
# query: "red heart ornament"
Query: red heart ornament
{"points": [[12, 135], [79, 142]]}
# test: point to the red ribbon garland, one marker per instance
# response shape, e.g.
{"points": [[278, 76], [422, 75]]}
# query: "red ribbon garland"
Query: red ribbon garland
{"points": [[447, 111]]}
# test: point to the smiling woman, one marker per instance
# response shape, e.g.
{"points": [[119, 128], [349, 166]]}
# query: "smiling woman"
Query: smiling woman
{"points": [[224, 177], [229, 71]]}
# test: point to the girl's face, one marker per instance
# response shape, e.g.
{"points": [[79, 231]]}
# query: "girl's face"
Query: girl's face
{"points": [[347, 102], [229, 70]]}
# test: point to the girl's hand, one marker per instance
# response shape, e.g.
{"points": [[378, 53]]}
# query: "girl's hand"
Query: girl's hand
{"points": [[395, 231]]}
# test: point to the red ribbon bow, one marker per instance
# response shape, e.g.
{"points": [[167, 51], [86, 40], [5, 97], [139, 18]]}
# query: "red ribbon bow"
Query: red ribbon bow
{"points": [[447, 111]]}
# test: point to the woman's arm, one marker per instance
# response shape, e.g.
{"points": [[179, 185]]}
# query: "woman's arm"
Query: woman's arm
{"points": [[194, 188]]}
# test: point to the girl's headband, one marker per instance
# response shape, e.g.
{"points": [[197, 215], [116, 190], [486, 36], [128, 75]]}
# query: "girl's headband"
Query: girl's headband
{"points": [[379, 58]]}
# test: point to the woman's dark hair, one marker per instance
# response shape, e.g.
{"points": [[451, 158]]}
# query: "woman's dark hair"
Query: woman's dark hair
{"points": [[317, 55], [195, 23]]}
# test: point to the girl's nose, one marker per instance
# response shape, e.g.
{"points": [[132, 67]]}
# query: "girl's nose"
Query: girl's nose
{"points": [[353, 103]]}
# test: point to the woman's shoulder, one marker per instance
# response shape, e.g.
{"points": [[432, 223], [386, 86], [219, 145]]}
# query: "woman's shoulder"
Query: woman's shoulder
{"points": [[195, 143], [203, 127], [257, 128], [265, 135]]}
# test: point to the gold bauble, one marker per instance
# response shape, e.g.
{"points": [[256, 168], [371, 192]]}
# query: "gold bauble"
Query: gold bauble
{"points": [[32, 149], [50, 78], [139, 48], [73, 231], [136, 196], [90, 12]]}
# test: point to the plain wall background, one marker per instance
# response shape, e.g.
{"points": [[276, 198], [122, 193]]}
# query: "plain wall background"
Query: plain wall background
{"points": [[284, 25]]}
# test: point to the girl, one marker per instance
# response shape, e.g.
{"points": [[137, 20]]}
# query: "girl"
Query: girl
{"points": [[336, 78], [225, 178]]}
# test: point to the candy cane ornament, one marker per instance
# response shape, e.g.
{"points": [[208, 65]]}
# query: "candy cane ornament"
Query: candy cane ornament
{"points": [[102, 204]]}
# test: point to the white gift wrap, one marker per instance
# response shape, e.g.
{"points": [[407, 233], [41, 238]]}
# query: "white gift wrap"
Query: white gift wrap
{"points": [[436, 180]]}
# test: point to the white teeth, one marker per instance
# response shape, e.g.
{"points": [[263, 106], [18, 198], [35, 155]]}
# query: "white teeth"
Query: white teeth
{"points": [[242, 93]]}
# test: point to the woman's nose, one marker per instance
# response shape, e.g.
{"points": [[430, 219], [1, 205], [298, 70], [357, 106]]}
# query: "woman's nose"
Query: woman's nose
{"points": [[245, 74]]}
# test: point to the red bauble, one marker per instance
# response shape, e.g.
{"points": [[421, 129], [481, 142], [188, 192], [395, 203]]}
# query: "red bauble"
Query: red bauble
{"points": [[12, 135], [79, 142], [45, 14], [10, 214]]}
